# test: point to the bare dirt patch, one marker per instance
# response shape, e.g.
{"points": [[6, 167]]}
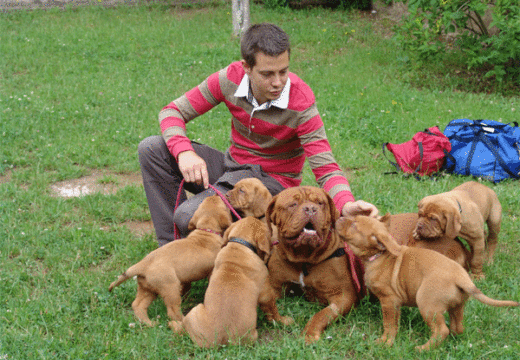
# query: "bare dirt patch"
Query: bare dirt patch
{"points": [[4, 179], [140, 228], [104, 182]]}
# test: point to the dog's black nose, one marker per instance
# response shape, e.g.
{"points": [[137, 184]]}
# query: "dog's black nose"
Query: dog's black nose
{"points": [[310, 209]]}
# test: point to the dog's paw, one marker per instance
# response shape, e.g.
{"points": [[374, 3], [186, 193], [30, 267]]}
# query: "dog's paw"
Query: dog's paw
{"points": [[478, 276], [176, 326], [385, 341], [311, 338], [286, 320]]}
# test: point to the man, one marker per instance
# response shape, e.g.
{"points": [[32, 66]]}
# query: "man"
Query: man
{"points": [[275, 126]]}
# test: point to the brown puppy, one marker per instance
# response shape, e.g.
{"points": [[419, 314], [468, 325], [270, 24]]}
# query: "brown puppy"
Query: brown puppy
{"points": [[249, 197], [310, 253], [238, 284], [463, 212], [170, 269], [402, 227], [404, 276]]}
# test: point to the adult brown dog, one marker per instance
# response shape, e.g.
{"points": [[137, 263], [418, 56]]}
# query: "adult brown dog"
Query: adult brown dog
{"points": [[249, 197], [402, 227], [170, 269], [238, 284], [310, 253], [463, 212], [404, 276]]}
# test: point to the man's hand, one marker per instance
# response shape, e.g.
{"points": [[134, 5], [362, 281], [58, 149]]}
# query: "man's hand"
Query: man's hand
{"points": [[193, 168], [359, 207]]}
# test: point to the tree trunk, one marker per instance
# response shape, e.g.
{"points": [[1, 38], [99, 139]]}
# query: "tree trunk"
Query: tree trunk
{"points": [[241, 19]]}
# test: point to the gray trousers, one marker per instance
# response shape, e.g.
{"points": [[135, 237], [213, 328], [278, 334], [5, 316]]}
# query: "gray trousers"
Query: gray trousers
{"points": [[162, 178]]}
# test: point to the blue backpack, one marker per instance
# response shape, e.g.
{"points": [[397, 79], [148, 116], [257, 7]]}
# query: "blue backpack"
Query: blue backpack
{"points": [[483, 148]]}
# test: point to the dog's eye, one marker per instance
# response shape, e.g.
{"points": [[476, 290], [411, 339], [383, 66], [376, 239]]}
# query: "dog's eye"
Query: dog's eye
{"points": [[292, 205], [241, 191]]}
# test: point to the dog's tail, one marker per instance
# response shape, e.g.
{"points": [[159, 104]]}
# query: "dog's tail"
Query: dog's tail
{"points": [[469, 287], [129, 273], [121, 279]]}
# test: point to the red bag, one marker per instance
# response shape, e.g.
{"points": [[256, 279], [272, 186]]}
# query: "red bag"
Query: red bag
{"points": [[422, 155]]}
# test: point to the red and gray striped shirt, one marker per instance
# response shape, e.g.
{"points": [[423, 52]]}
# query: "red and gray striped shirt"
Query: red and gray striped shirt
{"points": [[277, 136]]}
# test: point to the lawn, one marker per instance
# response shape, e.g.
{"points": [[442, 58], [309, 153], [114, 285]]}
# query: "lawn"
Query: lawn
{"points": [[80, 88]]}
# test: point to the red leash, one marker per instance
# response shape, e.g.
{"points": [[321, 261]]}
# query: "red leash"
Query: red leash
{"points": [[176, 233], [357, 270]]}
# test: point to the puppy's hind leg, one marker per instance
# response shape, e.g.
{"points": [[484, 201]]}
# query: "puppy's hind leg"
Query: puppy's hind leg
{"points": [[478, 248], [456, 317], [493, 223], [434, 318], [141, 303], [199, 327], [171, 294]]}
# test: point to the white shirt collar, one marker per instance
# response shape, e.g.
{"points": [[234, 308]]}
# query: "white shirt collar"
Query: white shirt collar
{"points": [[282, 102]]}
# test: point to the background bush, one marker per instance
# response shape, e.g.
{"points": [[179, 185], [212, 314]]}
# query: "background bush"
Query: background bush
{"points": [[435, 29]]}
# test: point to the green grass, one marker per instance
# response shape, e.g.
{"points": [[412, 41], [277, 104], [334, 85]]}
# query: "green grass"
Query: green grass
{"points": [[80, 88]]}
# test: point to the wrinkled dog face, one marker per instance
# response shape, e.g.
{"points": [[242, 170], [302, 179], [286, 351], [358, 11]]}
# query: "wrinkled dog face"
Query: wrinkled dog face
{"points": [[303, 216], [432, 220]]}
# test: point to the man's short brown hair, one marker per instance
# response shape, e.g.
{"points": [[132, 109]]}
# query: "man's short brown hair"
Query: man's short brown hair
{"points": [[264, 37]]}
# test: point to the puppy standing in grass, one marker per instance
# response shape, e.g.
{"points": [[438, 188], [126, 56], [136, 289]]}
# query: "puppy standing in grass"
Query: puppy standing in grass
{"points": [[463, 212], [405, 276], [238, 284], [170, 269]]}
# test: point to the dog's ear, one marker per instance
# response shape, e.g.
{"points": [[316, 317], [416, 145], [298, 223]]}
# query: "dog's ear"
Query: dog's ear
{"points": [[343, 224], [420, 204], [263, 245], [226, 234], [262, 199], [334, 212], [453, 223], [389, 243], [385, 219], [225, 220], [192, 225], [269, 213]]}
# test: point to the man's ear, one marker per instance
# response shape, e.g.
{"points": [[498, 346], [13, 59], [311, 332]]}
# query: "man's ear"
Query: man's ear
{"points": [[246, 67]]}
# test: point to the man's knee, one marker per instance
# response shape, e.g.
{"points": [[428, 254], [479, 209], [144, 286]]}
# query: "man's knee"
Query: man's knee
{"points": [[148, 147], [182, 216]]}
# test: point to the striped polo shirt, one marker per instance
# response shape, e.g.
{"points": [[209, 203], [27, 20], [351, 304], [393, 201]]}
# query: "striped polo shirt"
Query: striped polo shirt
{"points": [[278, 135]]}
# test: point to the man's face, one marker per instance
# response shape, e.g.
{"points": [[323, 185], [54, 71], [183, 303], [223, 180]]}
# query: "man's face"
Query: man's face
{"points": [[269, 76]]}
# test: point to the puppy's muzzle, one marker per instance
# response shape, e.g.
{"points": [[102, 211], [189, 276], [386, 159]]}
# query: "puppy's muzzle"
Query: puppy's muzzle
{"points": [[310, 209]]}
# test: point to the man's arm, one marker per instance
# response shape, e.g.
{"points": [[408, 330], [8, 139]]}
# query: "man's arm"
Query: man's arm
{"points": [[173, 119], [324, 166], [193, 168]]}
